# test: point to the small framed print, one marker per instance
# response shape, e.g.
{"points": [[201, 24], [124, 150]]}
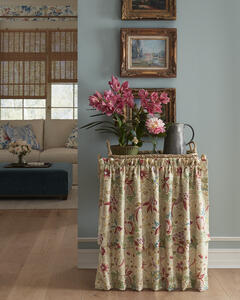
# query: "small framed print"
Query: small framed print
{"points": [[149, 52], [148, 9], [169, 110]]}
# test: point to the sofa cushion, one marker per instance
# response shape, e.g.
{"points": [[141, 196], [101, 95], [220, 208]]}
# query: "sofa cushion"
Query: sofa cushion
{"points": [[59, 155], [24, 133], [6, 156], [4, 138], [56, 132], [72, 141], [37, 126]]}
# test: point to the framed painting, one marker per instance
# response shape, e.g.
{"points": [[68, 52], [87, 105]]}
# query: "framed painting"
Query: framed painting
{"points": [[149, 52], [169, 110], [148, 9]]}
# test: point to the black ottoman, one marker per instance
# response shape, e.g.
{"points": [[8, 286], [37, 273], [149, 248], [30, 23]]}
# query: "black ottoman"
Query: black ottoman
{"points": [[52, 182]]}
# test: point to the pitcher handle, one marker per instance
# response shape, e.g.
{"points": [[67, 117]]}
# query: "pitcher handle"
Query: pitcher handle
{"points": [[193, 133]]}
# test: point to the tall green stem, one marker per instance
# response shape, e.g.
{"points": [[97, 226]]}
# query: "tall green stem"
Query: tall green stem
{"points": [[154, 142]]}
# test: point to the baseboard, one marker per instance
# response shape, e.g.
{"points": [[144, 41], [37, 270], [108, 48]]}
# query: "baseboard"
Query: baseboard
{"points": [[225, 239], [87, 258], [224, 258], [218, 258]]}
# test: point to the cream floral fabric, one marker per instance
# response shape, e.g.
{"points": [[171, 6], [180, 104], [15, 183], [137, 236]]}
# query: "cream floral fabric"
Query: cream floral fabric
{"points": [[153, 223]]}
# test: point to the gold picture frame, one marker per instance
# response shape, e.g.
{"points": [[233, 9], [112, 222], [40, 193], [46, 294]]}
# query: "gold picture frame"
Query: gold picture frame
{"points": [[148, 10], [149, 52], [169, 110]]}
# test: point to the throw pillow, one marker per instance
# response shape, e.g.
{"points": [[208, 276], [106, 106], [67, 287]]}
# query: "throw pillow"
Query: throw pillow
{"points": [[24, 133], [4, 139], [72, 141]]}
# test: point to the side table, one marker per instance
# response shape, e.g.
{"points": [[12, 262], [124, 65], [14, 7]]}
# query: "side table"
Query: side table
{"points": [[153, 222]]}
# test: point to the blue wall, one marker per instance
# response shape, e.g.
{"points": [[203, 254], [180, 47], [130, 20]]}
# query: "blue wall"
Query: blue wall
{"points": [[207, 95]]}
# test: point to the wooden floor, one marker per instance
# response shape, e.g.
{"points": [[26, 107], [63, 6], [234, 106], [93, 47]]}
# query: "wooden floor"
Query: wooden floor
{"points": [[38, 261]]}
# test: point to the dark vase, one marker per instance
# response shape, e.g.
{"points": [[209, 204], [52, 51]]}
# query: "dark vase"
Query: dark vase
{"points": [[20, 159]]}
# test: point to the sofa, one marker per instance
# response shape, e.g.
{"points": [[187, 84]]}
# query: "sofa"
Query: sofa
{"points": [[52, 136]]}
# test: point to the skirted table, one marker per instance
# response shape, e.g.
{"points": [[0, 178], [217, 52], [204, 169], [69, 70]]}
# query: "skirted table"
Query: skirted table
{"points": [[153, 223]]}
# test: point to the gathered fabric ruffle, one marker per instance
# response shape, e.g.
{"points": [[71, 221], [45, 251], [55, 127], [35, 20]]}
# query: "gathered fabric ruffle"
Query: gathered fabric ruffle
{"points": [[153, 223]]}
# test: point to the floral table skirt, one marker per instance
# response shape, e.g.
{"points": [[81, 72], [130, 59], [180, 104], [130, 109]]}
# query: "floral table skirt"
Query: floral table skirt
{"points": [[153, 223]]}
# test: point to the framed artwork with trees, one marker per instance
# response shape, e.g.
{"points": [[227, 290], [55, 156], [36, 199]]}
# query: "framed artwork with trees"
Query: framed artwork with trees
{"points": [[149, 9]]}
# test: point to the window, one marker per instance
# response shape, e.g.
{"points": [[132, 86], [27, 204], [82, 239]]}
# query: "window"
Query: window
{"points": [[38, 74], [62, 104], [64, 101], [22, 109]]}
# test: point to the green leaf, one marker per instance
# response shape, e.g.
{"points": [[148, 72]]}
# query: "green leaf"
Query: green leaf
{"points": [[91, 123], [119, 121], [107, 129], [97, 115], [88, 126], [95, 123], [101, 130]]}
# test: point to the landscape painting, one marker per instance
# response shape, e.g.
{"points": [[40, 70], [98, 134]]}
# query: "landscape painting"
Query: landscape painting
{"points": [[149, 9], [148, 53], [149, 4]]}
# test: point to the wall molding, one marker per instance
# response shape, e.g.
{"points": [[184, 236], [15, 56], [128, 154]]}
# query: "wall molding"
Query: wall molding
{"points": [[225, 239], [87, 240], [224, 258], [218, 258], [87, 258]]}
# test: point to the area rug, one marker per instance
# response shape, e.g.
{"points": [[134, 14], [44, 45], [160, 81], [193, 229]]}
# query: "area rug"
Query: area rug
{"points": [[70, 203]]}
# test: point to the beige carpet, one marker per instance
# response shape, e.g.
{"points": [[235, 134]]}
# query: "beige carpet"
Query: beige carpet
{"points": [[70, 203]]}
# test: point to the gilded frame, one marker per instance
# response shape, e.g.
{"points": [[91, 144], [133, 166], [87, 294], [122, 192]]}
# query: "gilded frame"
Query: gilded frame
{"points": [[169, 113], [170, 34], [128, 13]]}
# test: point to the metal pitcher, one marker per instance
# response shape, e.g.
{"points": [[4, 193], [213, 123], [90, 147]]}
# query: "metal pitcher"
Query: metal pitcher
{"points": [[174, 141]]}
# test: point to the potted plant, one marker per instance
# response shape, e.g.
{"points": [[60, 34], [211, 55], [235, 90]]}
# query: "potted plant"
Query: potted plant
{"points": [[116, 103]]}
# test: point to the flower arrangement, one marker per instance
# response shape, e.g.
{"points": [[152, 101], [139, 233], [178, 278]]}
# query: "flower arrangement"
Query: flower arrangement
{"points": [[155, 127], [19, 148], [151, 109], [115, 103]]}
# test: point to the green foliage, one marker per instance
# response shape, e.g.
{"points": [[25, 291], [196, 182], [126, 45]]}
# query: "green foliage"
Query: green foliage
{"points": [[119, 127], [139, 118], [124, 129]]}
